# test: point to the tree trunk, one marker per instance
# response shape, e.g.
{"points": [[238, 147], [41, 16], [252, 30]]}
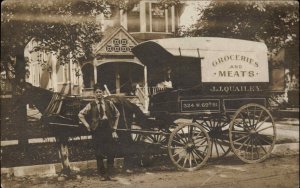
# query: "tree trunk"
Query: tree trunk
{"points": [[21, 113]]}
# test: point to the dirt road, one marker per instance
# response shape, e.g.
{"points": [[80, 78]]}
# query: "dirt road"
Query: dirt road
{"points": [[275, 172]]}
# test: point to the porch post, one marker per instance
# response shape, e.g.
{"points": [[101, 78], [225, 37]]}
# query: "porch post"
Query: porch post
{"points": [[146, 89], [142, 17], [95, 70], [54, 75], [146, 81], [117, 73], [70, 75]]}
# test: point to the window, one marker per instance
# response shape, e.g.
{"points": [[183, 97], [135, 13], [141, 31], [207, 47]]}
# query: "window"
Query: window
{"points": [[169, 19], [88, 75], [60, 71], [36, 74], [133, 17], [158, 19]]}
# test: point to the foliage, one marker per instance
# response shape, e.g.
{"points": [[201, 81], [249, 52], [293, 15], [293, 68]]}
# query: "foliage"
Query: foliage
{"points": [[129, 4], [123, 4], [275, 23], [67, 27]]}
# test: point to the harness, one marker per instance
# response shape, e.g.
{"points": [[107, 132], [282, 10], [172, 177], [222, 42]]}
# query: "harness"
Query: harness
{"points": [[54, 105]]}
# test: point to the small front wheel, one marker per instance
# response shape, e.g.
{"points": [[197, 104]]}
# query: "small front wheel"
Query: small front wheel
{"points": [[189, 147]]}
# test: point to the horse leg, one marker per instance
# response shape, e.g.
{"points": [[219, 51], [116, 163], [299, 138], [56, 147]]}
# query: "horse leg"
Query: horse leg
{"points": [[64, 155]]}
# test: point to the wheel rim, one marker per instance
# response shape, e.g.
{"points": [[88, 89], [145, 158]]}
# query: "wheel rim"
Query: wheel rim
{"points": [[189, 147], [216, 128], [252, 133]]}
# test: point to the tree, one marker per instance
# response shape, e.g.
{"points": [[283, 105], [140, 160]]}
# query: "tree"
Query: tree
{"points": [[66, 28], [274, 22]]}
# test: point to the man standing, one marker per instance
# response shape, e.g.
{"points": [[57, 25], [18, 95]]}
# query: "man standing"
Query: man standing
{"points": [[105, 117]]}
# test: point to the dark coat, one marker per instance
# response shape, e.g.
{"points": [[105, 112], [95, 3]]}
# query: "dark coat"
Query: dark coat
{"points": [[110, 110]]}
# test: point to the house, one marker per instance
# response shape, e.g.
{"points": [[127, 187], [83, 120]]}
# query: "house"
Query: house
{"points": [[285, 67], [113, 65]]}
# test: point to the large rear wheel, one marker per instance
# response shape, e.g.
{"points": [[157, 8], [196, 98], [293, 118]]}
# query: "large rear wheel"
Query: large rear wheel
{"points": [[252, 133]]}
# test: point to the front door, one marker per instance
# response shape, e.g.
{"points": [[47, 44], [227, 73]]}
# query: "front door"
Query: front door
{"points": [[130, 75], [120, 77], [106, 76]]}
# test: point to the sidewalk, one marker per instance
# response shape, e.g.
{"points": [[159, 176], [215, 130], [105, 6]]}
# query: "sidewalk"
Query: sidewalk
{"points": [[286, 113]]}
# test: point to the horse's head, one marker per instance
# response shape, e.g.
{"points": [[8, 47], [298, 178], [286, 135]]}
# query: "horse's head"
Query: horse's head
{"points": [[20, 94], [22, 88]]}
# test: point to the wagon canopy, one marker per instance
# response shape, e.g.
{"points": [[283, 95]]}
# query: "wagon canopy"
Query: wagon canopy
{"points": [[222, 59]]}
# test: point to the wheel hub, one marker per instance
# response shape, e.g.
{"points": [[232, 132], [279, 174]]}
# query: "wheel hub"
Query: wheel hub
{"points": [[252, 131], [189, 147]]}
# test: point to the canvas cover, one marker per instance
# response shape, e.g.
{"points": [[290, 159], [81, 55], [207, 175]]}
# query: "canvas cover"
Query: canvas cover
{"points": [[223, 60]]}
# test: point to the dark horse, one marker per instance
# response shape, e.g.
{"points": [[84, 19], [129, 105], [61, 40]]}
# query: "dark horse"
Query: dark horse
{"points": [[59, 115]]}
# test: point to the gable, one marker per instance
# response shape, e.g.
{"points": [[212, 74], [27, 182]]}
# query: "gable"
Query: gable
{"points": [[119, 42]]}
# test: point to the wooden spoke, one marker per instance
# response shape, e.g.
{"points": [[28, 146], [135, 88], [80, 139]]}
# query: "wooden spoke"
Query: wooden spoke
{"points": [[179, 159], [178, 142], [178, 152], [181, 138], [241, 138], [184, 138], [240, 132], [271, 126], [261, 137], [261, 123], [185, 160], [254, 115], [175, 147], [205, 145], [190, 160], [199, 140], [243, 143]]}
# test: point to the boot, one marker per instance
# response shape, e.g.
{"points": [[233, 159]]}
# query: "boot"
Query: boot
{"points": [[110, 167], [100, 167]]}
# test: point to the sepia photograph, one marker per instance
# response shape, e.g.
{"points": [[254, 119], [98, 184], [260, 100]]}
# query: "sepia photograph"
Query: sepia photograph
{"points": [[149, 93]]}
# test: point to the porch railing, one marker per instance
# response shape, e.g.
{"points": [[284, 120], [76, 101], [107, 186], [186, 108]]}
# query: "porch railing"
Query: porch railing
{"points": [[154, 90]]}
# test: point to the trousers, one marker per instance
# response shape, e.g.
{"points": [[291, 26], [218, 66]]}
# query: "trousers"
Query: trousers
{"points": [[104, 147]]}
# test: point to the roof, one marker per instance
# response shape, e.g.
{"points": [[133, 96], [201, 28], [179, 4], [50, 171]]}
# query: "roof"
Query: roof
{"points": [[111, 34], [192, 46]]}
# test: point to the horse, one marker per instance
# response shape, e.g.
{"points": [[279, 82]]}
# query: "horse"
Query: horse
{"points": [[59, 115]]}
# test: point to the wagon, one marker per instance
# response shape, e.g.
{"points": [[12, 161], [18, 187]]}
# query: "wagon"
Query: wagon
{"points": [[218, 103], [221, 90]]}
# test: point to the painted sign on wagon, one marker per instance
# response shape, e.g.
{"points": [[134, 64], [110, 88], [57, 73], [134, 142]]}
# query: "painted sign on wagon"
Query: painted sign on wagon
{"points": [[235, 66]]}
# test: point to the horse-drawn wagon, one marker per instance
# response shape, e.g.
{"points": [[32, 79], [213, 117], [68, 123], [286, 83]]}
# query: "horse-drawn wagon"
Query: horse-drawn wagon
{"points": [[220, 88]]}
